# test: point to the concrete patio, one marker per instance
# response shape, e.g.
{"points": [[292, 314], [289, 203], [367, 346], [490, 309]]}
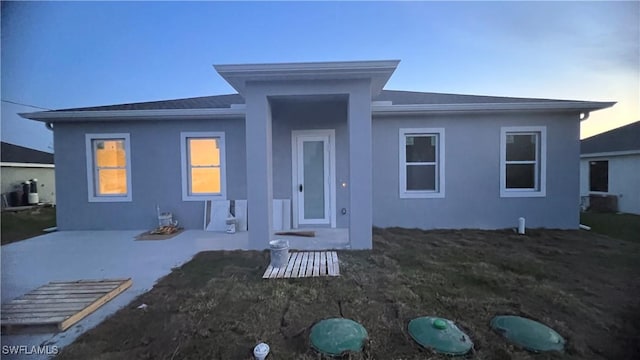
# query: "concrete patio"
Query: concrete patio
{"points": [[74, 255]]}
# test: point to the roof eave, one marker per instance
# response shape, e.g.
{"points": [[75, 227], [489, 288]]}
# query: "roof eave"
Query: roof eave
{"points": [[376, 110], [379, 71], [577, 106], [115, 115], [610, 153]]}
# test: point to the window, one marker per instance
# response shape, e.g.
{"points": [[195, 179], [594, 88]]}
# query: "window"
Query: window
{"points": [[421, 163], [599, 176], [108, 167], [203, 166], [522, 162]]}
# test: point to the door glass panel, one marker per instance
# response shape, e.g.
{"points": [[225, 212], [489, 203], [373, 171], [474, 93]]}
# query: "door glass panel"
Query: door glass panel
{"points": [[313, 154]]}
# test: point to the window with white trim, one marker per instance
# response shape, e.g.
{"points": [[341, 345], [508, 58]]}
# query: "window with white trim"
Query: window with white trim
{"points": [[421, 162], [523, 161], [203, 166], [108, 167]]}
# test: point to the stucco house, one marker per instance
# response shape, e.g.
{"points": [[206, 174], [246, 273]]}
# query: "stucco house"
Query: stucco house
{"points": [[610, 166], [19, 164], [326, 136]]}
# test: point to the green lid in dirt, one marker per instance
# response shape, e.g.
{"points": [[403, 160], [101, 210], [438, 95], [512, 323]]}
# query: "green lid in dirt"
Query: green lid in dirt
{"points": [[440, 335], [336, 336], [528, 333]]}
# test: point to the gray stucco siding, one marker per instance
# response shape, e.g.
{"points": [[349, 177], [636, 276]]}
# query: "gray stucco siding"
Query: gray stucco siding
{"points": [[155, 173], [472, 170], [472, 174]]}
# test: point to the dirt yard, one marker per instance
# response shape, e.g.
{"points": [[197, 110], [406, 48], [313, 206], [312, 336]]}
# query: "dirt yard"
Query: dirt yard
{"points": [[217, 306]]}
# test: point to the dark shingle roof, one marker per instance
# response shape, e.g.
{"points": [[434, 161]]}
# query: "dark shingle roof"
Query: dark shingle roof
{"points": [[21, 154], [624, 138], [203, 102], [397, 97], [413, 97]]}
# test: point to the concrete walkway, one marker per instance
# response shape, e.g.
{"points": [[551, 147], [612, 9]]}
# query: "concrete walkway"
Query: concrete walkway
{"points": [[75, 255]]}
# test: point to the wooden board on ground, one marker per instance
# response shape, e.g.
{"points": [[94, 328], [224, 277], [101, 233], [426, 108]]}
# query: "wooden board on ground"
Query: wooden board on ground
{"points": [[148, 236], [58, 305], [306, 264], [297, 233]]}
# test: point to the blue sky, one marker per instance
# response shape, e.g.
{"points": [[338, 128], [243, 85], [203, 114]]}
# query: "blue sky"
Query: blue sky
{"points": [[71, 54]]}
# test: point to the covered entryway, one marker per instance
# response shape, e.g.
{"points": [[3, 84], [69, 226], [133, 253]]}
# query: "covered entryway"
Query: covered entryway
{"points": [[351, 86]]}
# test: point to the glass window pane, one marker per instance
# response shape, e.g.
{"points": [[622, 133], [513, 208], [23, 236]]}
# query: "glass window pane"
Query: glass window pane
{"points": [[421, 177], [110, 153], [521, 176], [599, 176], [313, 153], [421, 148], [205, 180], [521, 147], [112, 181], [204, 152]]}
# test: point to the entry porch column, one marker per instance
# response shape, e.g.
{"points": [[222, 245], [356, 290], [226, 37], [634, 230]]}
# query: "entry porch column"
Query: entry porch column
{"points": [[259, 168], [360, 167]]}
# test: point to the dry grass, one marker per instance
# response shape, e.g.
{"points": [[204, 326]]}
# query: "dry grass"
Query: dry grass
{"points": [[217, 306], [24, 224]]}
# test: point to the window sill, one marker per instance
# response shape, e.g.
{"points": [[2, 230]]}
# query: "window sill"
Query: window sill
{"points": [[203, 197], [422, 195], [110, 199], [521, 194]]}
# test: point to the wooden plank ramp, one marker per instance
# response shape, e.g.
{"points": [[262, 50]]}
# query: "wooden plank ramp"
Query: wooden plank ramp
{"points": [[58, 305], [306, 264]]}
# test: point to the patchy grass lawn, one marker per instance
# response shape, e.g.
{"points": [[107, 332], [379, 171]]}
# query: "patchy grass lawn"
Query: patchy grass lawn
{"points": [[217, 306], [24, 224], [621, 226]]}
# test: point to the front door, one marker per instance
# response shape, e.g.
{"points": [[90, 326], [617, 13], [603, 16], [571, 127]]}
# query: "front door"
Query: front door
{"points": [[313, 170]]}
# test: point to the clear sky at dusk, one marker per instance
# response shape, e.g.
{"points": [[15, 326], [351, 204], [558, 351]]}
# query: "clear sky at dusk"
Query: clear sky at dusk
{"points": [[72, 54]]}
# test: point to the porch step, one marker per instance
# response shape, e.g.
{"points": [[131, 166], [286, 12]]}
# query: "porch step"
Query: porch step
{"points": [[306, 264]]}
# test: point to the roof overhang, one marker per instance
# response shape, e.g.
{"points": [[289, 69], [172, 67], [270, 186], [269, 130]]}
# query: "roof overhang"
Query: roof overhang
{"points": [[610, 154], [378, 72], [26, 165], [114, 115], [377, 109], [419, 109]]}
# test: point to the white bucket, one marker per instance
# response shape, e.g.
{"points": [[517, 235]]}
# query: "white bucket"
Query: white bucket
{"points": [[33, 198], [279, 253], [261, 351], [231, 225], [166, 219]]}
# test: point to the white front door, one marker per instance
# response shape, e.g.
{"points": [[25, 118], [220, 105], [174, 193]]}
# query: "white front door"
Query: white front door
{"points": [[313, 177]]}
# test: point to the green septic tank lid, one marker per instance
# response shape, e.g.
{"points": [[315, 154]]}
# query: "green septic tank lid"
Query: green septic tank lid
{"points": [[440, 335], [335, 336], [528, 333]]}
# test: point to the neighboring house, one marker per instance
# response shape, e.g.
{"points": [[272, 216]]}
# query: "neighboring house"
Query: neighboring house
{"points": [[20, 164], [346, 153], [610, 166]]}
